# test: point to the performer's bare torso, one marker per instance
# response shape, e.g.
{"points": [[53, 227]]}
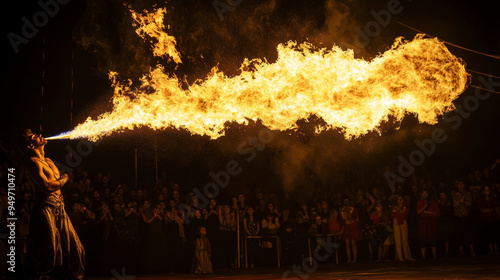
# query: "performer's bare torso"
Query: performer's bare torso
{"points": [[51, 172]]}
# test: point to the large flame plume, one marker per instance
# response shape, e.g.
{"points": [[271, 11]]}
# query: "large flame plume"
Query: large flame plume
{"points": [[151, 24], [418, 77]]}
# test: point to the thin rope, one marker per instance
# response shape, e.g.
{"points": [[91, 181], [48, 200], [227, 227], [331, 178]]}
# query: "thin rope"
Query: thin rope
{"points": [[477, 72], [449, 43], [485, 89]]}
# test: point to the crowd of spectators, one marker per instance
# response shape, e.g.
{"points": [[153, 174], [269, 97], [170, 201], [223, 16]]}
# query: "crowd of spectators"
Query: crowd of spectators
{"points": [[154, 230]]}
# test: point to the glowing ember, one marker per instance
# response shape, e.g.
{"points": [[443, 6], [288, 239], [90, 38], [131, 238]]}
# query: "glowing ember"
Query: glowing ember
{"points": [[418, 77]]}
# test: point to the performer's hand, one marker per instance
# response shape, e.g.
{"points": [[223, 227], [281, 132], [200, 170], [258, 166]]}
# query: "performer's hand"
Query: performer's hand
{"points": [[64, 178]]}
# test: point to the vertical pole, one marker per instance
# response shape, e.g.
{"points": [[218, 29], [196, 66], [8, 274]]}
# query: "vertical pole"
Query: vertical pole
{"points": [[310, 255], [43, 80], [336, 251], [238, 236], [72, 85], [135, 167], [156, 162], [278, 248], [72, 89], [246, 252]]}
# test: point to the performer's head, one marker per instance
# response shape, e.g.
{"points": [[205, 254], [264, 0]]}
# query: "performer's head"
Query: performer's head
{"points": [[33, 141]]}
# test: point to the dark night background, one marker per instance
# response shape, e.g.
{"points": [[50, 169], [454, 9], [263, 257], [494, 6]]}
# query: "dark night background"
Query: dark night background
{"points": [[92, 37]]}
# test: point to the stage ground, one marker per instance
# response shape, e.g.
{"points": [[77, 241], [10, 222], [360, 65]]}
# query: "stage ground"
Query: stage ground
{"points": [[481, 267]]}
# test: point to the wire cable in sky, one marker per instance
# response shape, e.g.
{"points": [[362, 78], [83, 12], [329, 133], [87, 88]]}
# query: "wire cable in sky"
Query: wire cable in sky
{"points": [[485, 89], [481, 73], [449, 43]]}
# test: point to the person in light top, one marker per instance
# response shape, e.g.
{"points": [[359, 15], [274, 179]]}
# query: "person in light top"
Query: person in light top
{"points": [[399, 213]]}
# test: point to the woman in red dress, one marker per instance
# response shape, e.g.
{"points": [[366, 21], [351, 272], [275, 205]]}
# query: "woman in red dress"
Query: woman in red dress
{"points": [[335, 223], [428, 214], [352, 233]]}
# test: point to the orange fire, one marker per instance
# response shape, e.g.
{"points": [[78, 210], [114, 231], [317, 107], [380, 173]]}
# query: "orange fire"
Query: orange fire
{"points": [[151, 24], [418, 77]]}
